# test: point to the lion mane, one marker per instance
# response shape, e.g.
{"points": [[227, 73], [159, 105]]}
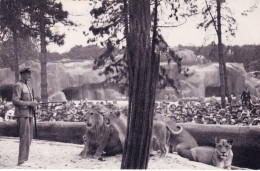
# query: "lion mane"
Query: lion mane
{"points": [[99, 139]]}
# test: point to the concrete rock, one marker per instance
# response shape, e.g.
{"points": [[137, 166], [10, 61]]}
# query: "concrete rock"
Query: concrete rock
{"points": [[193, 81], [57, 97], [200, 77]]}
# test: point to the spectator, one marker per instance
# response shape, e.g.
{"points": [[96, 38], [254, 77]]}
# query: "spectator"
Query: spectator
{"points": [[9, 115], [245, 121], [200, 119], [245, 96], [224, 121], [2, 112], [218, 119], [206, 120], [211, 119]]}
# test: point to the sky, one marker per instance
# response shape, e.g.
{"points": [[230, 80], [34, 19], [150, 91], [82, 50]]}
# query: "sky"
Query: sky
{"points": [[187, 34]]}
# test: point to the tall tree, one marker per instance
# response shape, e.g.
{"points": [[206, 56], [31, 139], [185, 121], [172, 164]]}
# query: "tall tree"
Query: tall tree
{"points": [[111, 21], [139, 64], [143, 74], [222, 64], [43, 15], [11, 19], [27, 50], [212, 16], [213, 13]]}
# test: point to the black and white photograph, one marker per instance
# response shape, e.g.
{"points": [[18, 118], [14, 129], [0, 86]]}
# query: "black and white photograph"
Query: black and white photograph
{"points": [[130, 84]]}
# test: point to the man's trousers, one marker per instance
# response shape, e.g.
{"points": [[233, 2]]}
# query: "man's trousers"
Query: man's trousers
{"points": [[26, 134]]}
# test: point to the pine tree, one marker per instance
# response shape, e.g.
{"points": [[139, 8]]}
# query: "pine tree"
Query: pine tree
{"points": [[43, 15], [12, 16], [111, 20]]}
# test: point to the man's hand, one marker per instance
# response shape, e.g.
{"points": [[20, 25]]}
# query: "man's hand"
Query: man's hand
{"points": [[33, 103]]}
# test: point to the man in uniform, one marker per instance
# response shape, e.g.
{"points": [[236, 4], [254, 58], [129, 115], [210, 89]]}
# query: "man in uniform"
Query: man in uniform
{"points": [[24, 105]]}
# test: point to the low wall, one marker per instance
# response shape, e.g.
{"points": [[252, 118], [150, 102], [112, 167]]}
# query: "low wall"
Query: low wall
{"points": [[68, 132], [246, 141], [246, 145]]}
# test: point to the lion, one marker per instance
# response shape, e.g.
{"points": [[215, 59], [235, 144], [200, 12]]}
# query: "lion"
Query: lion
{"points": [[180, 142], [221, 156], [160, 134], [99, 137]]}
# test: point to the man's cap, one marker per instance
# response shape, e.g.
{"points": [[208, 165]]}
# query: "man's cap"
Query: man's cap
{"points": [[25, 70], [218, 116]]}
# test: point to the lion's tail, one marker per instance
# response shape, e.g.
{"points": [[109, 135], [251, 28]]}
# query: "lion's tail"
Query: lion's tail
{"points": [[175, 132], [186, 153]]}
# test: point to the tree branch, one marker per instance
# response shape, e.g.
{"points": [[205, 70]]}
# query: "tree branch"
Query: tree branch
{"points": [[214, 22]]}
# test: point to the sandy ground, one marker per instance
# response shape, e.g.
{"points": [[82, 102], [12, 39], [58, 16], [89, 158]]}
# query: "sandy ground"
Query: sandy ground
{"points": [[56, 155]]}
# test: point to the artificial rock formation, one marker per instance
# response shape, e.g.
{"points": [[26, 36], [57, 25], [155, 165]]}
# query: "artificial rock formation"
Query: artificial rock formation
{"points": [[200, 77], [77, 80], [63, 75]]}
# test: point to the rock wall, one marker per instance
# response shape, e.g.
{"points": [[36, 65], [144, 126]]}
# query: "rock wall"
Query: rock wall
{"points": [[192, 81], [198, 77], [61, 75]]}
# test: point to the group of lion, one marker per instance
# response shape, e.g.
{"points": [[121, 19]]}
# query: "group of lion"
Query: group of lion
{"points": [[106, 133]]}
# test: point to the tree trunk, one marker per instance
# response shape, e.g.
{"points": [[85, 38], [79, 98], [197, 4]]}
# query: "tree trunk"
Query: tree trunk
{"points": [[16, 58], [220, 55], [43, 60], [226, 82], [143, 75]]}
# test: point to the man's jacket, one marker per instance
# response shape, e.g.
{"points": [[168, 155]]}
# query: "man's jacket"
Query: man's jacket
{"points": [[22, 95]]}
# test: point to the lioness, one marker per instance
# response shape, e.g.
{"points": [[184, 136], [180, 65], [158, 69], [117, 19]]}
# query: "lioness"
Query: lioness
{"points": [[160, 135], [180, 142], [99, 137], [221, 156]]}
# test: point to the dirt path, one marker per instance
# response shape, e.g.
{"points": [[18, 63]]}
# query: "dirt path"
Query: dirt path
{"points": [[56, 155]]}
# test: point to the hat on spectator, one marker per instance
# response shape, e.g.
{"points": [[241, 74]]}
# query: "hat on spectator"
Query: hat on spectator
{"points": [[233, 121], [25, 70], [58, 108], [218, 116], [204, 109], [245, 120], [172, 106], [198, 112], [222, 111], [239, 110], [243, 113], [206, 117]]}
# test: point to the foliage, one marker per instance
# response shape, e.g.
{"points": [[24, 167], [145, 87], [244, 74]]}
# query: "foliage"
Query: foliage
{"points": [[47, 13], [27, 49], [12, 17], [110, 28], [228, 22], [87, 52], [249, 55]]}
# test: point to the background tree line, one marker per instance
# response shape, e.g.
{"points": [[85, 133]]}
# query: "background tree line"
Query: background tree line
{"points": [[249, 55]]}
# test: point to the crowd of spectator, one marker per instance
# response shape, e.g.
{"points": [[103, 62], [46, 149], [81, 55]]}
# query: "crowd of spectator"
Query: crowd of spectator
{"points": [[200, 111], [71, 111], [210, 112], [6, 110]]}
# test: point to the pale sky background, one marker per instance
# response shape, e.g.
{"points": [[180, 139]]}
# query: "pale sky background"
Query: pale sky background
{"points": [[248, 27]]}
